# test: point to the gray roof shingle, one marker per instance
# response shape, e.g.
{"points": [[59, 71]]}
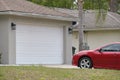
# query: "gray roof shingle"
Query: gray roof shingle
{"points": [[28, 7], [112, 19]]}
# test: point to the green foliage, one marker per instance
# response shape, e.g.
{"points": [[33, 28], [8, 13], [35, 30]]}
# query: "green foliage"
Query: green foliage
{"points": [[118, 7], [55, 3], [95, 4], [101, 8]]}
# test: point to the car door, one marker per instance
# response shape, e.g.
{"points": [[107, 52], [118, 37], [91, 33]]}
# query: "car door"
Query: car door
{"points": [[118, 60], [118, 57], [108, 56]]}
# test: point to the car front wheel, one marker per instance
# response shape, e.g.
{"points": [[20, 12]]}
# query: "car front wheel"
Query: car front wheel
{"points": [[85, 62]]}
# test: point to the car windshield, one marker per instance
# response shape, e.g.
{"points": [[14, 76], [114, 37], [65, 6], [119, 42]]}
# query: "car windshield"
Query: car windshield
{"points": [[111, 47]]}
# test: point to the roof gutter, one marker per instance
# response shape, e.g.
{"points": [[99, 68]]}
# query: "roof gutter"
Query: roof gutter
{"points": [[38, 15], [98, 29]]}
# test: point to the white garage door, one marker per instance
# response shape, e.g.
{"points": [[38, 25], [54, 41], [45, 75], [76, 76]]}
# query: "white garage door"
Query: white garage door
{"points": [[39, 45]]}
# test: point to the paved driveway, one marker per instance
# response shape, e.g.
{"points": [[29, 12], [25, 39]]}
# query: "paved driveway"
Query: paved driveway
{"points": [[61, 66], [52, 66]]}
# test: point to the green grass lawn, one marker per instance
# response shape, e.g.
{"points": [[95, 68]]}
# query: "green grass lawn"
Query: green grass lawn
{"points": [[44, 73]]}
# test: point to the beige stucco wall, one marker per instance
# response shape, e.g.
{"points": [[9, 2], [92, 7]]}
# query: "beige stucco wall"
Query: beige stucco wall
{"points": [[43, 22], [96, 38], [99, 38], [75, 40]]}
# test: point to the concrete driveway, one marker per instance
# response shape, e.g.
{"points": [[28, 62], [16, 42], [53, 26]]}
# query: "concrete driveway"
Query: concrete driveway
{"points": [[52, 66], [61, 66]]}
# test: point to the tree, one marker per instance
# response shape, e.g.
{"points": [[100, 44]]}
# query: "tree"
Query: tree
{"points": [[113, 5], [100, 5], [80, 25]]}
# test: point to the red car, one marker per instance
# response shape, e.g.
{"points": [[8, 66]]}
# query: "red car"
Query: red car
{"points": [[107, 56]]}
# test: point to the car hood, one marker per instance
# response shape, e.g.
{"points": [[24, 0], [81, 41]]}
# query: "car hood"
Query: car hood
{"points": [[85, 51]]}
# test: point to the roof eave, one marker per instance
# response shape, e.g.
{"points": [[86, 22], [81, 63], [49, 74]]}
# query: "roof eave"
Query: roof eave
{"points": [[38, 15], [96, 29]]}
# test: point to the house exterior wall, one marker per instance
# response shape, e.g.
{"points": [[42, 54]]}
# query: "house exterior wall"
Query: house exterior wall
{"points": [[96, 38], [67, 45], [75, 40], [45, 22], [4, 39]]}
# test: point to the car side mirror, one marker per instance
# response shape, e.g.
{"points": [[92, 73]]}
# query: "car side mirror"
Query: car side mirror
{"points": [[100, 50]]}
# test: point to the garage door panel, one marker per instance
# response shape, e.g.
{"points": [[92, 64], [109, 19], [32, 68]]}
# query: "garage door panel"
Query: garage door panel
{"points": [[32, 37], [28, 55], [35, 28], [40, 47], [25, 54], [43, 44], [39, 53], [37, 60]]}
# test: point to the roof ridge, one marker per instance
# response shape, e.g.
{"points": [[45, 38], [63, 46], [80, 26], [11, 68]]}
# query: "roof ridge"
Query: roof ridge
{"points": [[5, 5]]}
